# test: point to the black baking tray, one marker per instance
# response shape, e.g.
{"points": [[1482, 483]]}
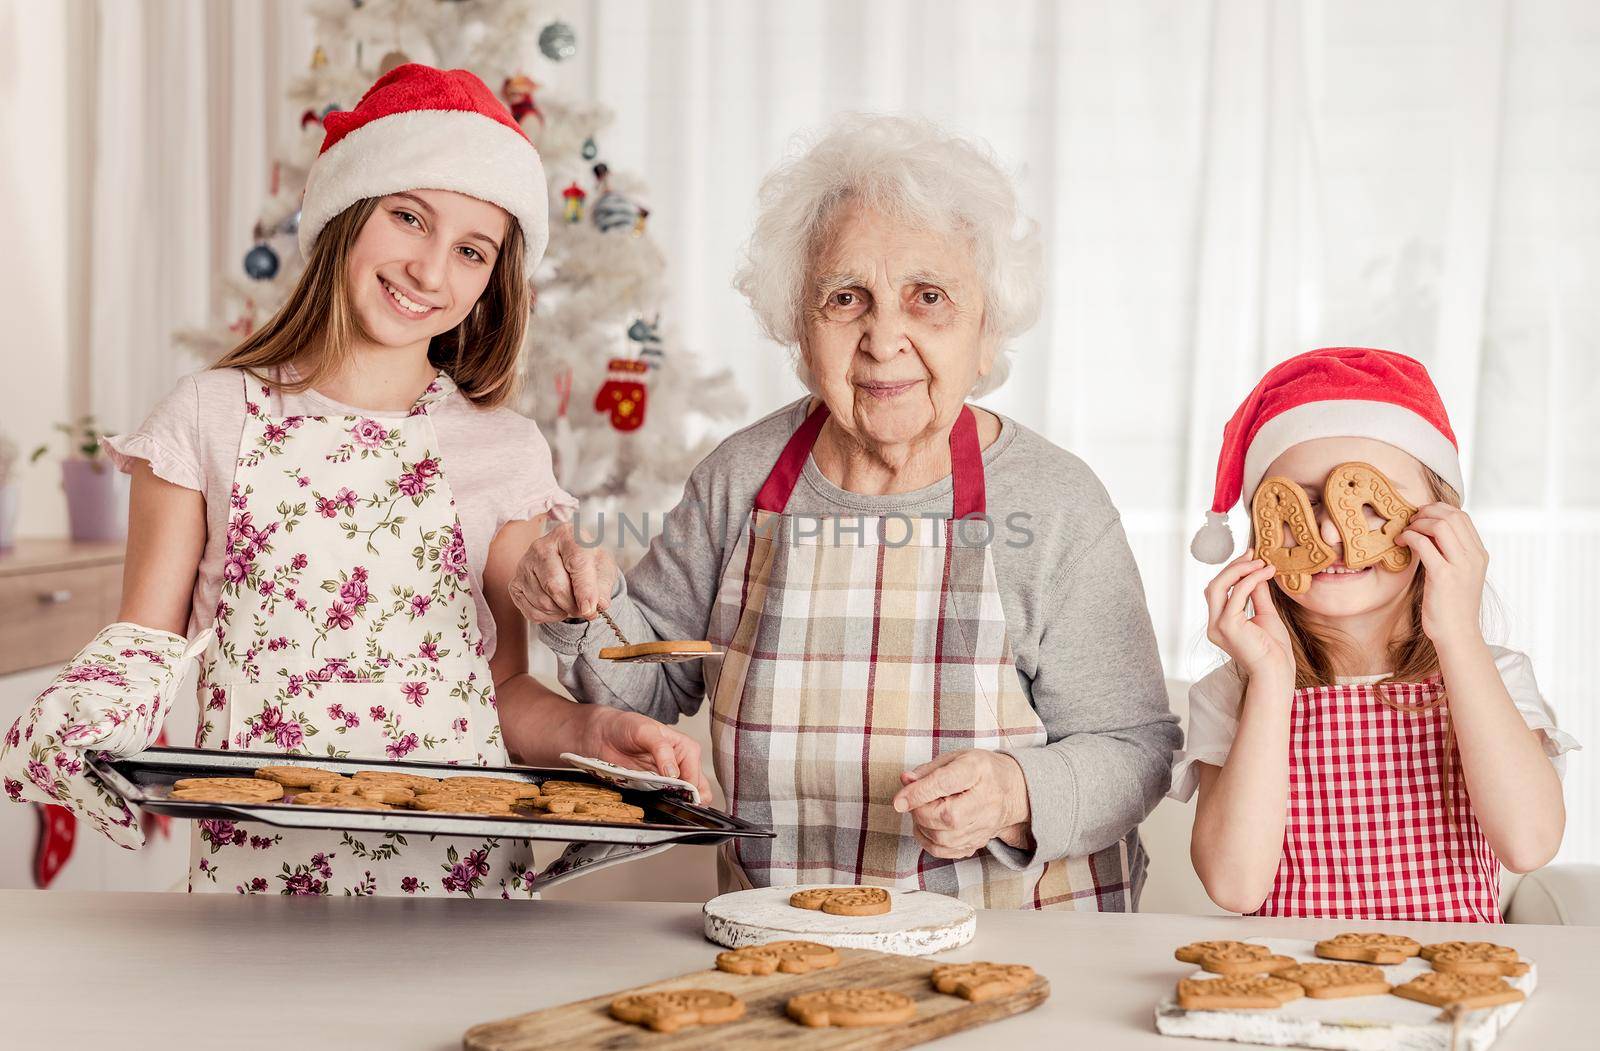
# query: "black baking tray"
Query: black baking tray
{"points": [[146, 779]]}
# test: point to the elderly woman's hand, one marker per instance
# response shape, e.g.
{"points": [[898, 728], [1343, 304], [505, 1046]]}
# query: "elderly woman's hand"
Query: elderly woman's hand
{"points": [[559, 578], [962, 800]]}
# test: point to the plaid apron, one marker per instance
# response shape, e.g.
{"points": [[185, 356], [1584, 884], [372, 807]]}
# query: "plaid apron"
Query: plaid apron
{"points": [[1379, 825], [858, 648]]}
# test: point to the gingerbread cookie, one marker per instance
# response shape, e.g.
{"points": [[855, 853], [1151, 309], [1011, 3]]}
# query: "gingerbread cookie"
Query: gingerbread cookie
{"points": [[851, 1007], [1244, 992], [790, 957], [1244, 959], [491, 786], [1474, 958], [981, 981], [338, 801], [1368, 948], [459, 803], [1470, 991], [222, 795], [298, 776], [843, 901], [1192, 952], [234, 785], [1329, 981], [416, 782], [667, 1012], [1349, 490], [1281, 512], [396, 794], [556, 788]]}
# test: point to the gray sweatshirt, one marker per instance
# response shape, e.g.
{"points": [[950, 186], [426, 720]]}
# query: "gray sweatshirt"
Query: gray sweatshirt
{"points": [[1074, 605]]}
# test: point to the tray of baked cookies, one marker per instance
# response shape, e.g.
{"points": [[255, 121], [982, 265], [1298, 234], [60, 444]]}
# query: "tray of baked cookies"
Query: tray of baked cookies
{"points": [[519, 802]]}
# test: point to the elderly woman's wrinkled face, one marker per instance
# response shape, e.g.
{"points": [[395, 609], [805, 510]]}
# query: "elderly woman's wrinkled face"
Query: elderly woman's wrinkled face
{"points": [[894, 328]]}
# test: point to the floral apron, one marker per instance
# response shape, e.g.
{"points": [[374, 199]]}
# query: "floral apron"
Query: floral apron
{"points": [[1379, 825], [855, 654], [346, 628]]}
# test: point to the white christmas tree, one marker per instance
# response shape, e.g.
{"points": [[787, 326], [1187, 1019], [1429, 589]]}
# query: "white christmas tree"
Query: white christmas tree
{"points": [[627, 411]]}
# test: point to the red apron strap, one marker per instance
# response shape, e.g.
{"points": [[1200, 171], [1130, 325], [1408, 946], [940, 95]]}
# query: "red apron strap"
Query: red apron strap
{"points": [[966, 467], [966, 464]]}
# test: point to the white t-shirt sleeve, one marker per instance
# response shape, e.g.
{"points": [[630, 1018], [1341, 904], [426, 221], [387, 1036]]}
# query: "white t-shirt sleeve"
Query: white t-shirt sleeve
{"points": [[1213, 722], [1516, 671]]}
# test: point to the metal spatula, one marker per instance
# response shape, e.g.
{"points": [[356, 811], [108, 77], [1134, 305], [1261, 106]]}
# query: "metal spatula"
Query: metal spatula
{"points": [[664, 652]]}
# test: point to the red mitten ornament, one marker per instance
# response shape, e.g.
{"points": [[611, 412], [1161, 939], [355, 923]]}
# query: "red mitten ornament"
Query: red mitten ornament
{"points": [[623, 393]]}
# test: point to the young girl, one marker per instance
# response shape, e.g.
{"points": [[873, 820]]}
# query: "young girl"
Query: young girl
{"points": [[1365, 753], [341, 503]]}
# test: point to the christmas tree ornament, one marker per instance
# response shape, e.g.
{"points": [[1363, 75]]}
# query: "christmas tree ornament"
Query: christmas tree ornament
{"points": [[638, 223], [574, 196], [332, 107], [590, 151], [291, 225], [622, 395], [518, 91], [261, 262], [393, 60], [646, 334], [319, 58], [558, 42], [615, 212], [309, 117]]}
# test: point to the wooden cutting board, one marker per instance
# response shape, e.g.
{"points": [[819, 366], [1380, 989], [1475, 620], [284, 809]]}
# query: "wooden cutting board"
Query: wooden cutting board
{"points": [[588, 1024]]}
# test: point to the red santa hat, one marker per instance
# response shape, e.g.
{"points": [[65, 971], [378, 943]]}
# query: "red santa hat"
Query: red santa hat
{"points": [[420, 128], [1335, 392]]}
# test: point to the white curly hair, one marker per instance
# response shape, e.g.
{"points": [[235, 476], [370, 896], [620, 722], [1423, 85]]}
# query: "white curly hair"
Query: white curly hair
{"points": [[910, 170]]}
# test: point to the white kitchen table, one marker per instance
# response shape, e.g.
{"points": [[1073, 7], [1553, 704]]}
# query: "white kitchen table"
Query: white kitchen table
{"points": [[144, 970]]}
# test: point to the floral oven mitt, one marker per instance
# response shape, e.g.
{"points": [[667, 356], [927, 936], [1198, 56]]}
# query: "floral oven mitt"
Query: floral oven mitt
{"points": [[112, 697]]}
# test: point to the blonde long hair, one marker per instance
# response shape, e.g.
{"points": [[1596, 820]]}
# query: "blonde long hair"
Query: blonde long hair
{"points": [[317, 324]]}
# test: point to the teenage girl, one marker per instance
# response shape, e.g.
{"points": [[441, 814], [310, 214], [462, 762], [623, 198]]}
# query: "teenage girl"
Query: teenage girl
{"points": [[333, 514]]}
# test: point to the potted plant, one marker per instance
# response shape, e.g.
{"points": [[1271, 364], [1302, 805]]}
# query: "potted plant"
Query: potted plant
{"points": [[97, 493], [10, 493]]}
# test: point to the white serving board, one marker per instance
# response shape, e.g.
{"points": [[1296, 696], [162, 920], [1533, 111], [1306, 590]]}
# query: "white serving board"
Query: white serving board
{"points": [[1358, 1022], [918, 923]]}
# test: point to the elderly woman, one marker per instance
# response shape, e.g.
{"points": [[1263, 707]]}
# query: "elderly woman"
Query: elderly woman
{"points": [[936, 667]]}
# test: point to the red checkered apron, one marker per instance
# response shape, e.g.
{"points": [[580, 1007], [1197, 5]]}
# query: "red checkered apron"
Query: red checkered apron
{"points": [[1379, 825], [858, 648]]}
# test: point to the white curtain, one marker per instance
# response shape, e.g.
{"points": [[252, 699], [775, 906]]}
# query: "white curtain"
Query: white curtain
{"points": [[182, 108], [1221, 185]]}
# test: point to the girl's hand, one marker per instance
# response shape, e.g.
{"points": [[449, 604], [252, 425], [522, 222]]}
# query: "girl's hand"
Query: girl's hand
{"points": [[962, 800], [1451, 551], [1259, 643], [559, 578], [638, 742]]}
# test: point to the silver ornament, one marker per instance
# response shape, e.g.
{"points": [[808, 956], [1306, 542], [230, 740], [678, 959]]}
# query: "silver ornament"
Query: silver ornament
{"points": [[590, 150], [558, 42], [614, 212]]}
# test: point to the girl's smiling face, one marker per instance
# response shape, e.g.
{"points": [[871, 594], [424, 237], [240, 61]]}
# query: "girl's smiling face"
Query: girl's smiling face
{"points": [[1338, 592], [421, 262]]}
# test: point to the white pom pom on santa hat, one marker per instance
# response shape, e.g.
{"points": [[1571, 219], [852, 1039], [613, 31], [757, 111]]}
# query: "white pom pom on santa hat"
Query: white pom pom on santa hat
{"points": [[1334, 392]]}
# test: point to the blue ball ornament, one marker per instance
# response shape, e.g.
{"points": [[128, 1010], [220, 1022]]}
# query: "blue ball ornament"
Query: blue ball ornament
{"points": [[261, 263]]}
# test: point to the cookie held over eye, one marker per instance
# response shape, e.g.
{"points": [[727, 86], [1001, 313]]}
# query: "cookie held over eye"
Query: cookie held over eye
{"points": [[1474, 958], [1368, 948], [844, 901], [669, 1011], [790, 957], [1239, 993], [1467, 990], [981, 981], [851, 1007], [1328, 981]]}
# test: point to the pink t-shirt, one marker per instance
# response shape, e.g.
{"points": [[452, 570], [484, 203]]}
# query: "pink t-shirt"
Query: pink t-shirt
{"points": [[496, 461]]}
